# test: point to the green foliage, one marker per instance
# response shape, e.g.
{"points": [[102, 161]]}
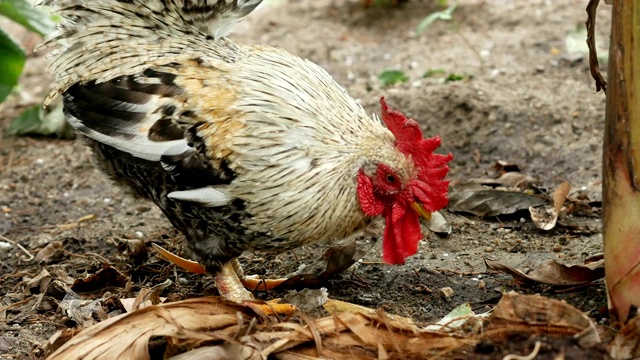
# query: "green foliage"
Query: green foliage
{"points": [[12, 59], [455, 77], [12, 56], [445, 14], [391, 77], [432, 73], [38, 121], [448, 78], [26, 15]]}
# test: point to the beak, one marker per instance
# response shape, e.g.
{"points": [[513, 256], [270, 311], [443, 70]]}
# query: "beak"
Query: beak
{"points": [[417, 207]]}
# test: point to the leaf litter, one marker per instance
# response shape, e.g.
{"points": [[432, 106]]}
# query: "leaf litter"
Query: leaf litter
{"points": [[207, 327]]}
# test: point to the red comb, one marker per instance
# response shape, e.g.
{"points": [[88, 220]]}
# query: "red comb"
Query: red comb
{"points": [[430, 188]]}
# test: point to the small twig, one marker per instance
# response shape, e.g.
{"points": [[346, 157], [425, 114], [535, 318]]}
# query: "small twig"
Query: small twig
{"points": [[9, 161], [458, 272], [594, 66], [100, 258], [531, 356], [472, 48], [19, 247]]}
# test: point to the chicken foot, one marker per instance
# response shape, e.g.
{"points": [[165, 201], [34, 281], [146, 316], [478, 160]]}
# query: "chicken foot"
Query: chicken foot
{"points": [[254, 282]]}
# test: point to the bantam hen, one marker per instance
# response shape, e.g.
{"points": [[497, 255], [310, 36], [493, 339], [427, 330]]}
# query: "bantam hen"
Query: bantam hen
{"points": [[243, 147]]}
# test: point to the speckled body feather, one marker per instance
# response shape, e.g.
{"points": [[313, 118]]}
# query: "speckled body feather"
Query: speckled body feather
{"points": [[242, 147]]}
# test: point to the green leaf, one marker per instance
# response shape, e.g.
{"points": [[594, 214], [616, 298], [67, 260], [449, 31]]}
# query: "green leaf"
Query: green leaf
{"points": [[433, 72], [26, 15], [37, 121], [390, 77], [440, 15], [455, 77], [12, 59]]}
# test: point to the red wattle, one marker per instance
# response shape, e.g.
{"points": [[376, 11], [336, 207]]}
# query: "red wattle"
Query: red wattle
{"points": [[401, 234]]}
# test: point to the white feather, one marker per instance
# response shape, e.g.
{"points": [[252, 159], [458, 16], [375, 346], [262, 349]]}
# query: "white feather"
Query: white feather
{"points": [[139, 146], [206, 196]]}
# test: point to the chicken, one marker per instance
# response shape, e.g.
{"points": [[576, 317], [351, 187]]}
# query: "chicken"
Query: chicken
{"points": [[243, 147]]}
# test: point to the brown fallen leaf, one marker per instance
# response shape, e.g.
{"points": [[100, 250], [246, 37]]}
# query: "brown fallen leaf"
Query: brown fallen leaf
{"points": [[539, 315], [486, 201], [235, 331], [626, 343], [546, 216], [127, 336], [554, 273], [508, 179], [339, 306], [107, 276], [439, 224], [336, 260], [51, 253]]}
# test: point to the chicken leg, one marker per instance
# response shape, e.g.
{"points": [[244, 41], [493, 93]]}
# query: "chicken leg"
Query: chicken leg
{"points": [[232, 284]]}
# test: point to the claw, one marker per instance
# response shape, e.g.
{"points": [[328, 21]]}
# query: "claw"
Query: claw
{"points": [[257, 283], [189, 265], [272, 307]]}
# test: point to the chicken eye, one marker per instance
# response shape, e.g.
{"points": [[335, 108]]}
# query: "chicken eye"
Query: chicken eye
{"points": [[391, 178]]}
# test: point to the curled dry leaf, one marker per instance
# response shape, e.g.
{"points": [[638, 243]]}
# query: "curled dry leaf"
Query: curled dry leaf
{"points": [[307, 300], [107, 276], [539, 315], [439, 224], [234, 331], [508, 179], [83, 312], [626, 343], [485, 201], [50, 254], [554, 273], [336, 260], [136, 249], [39, 284], [339, 306], [545, 217]]}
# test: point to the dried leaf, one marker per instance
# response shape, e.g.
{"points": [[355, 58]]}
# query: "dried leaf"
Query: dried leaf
{"points": [[485, 201], [83, 312], [229, 351], [39, 284], [234, 330], [540, 315], [192, 321], [307, 300], [457, 319], [509, 179], [338, 306], [336, 260], [554, 273], [439, 225], [136, 249], [545, 217], [626, 343], [107, 276], [502, 166], [50, 254], [594, 66]]}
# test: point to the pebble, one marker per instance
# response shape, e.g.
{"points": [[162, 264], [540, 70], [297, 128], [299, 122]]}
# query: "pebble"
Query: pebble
{"points": [[488, 249], [446, 292], [5, 245], [183, 281], [482, 284], [139, 234]]}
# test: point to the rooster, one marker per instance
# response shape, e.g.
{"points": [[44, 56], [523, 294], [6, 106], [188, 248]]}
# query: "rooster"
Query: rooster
{"points": [[243, 147]]}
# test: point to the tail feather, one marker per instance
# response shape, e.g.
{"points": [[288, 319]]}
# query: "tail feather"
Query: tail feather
{"points": [[135, 34]]}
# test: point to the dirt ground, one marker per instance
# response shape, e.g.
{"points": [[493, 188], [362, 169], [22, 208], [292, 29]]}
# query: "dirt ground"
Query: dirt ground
{"points": [[526, 99]]}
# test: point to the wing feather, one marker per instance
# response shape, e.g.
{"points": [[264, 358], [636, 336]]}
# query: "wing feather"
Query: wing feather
{"points": [[143, 115]]}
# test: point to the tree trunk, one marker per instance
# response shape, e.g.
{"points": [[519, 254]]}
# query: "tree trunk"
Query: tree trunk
{"points": [[621, 162]]}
